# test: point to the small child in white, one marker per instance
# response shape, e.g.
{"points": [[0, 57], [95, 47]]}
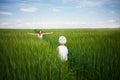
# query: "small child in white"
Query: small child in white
{"points": [[62, 49]]}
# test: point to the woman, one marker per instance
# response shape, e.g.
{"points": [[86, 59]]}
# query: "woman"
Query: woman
{"points": [[40, 34]]}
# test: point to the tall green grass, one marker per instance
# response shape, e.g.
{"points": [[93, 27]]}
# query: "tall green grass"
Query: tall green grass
{"points": [[94, 54]]}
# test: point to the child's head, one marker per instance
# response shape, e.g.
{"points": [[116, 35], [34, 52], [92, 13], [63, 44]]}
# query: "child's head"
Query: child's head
{"points": [[62, 40]]}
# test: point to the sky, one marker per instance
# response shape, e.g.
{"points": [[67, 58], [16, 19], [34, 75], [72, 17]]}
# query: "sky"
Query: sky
{"points": [[46, 14]]}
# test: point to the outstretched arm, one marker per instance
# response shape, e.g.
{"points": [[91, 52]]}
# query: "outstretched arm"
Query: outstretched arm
{"points": [[47, 33]]}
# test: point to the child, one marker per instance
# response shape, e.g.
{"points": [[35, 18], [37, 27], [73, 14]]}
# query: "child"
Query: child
{"points": [[62, 49]]}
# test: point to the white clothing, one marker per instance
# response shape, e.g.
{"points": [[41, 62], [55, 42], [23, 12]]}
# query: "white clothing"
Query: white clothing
{"points": [[40, 36], [63, 52]]}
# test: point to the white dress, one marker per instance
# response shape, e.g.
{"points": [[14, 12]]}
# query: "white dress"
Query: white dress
{"points": [[63, 52], [40, 36]]}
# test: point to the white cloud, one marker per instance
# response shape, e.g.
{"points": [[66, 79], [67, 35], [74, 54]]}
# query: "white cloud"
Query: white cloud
{"points": [[79, 7], [4, 23], [54, 9], [30, 9], [113, 12], [91, 3], [6, 13], [66, 1], [92, 12], [63, 24], [106, 24], [85, 2], [111, 21]]}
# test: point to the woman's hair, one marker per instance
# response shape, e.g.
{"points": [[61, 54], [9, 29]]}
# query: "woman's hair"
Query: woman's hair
{"points": [[40, 32]]}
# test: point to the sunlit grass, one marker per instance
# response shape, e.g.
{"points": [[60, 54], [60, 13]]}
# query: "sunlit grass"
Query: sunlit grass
{"points": [[93, 55]]}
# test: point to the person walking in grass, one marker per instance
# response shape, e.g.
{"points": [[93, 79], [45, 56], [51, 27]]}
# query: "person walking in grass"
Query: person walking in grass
{"points": [[40, 34], [62, 49]]}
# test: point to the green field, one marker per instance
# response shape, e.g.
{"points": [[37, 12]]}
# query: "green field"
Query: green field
{"points": [[94, 54]]}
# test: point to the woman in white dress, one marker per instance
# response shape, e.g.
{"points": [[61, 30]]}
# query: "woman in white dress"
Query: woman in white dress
{"points": [[40, 34]]}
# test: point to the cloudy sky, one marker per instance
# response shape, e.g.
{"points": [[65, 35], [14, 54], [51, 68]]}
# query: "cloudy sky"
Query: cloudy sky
{"points": [[59, 14]]}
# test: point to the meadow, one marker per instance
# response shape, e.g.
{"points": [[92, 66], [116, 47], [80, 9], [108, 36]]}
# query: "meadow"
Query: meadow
{"points": [[94, 54]]}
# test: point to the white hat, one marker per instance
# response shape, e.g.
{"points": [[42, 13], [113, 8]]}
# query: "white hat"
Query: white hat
{"points": [[62, 40]]}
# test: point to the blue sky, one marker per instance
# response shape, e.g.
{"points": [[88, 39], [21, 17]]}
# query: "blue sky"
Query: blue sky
{"points": [[59, 14]]}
